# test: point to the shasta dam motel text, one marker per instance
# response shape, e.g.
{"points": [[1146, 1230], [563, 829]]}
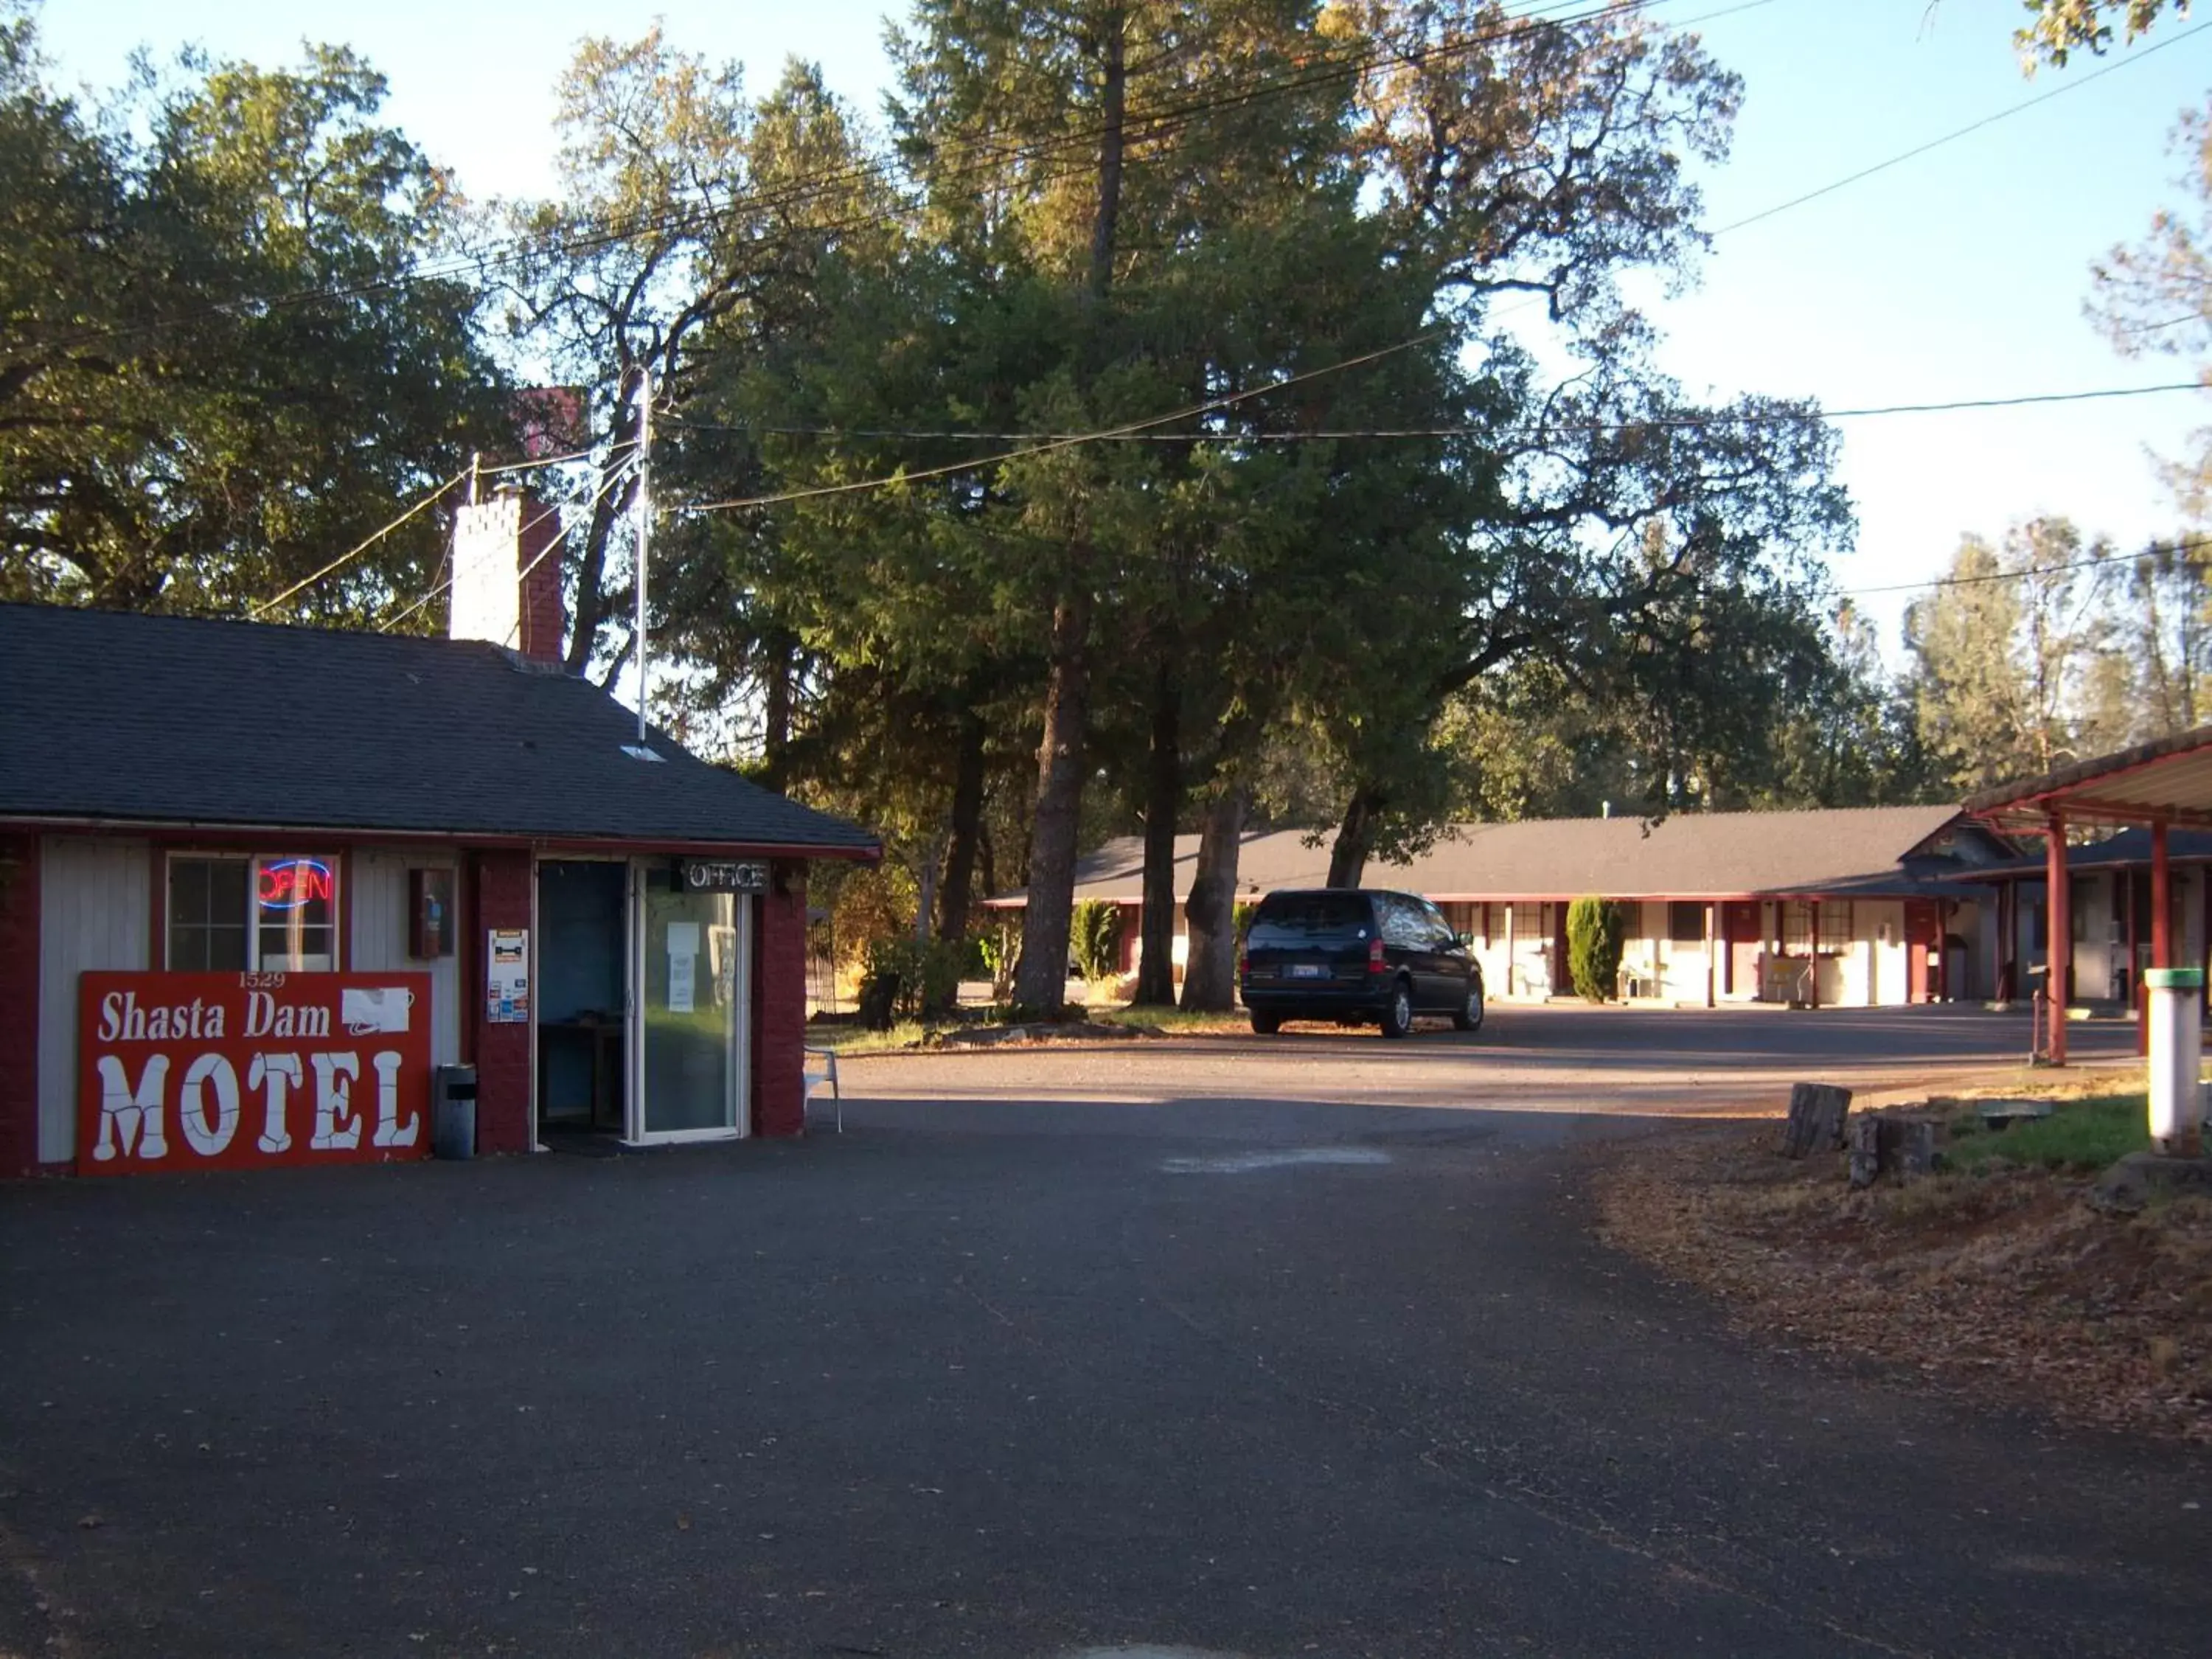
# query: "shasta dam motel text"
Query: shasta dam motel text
{"points": [[217, 951]]}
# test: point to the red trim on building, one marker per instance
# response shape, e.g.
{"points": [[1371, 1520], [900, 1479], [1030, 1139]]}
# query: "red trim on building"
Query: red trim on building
{"points": [[19, 997], [778, 1011]]}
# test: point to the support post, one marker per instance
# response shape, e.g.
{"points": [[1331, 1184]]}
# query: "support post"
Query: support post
{"points": [[1509, 950], [2161, 900], [1813, 959], [2058, 933], [1712, 967]]}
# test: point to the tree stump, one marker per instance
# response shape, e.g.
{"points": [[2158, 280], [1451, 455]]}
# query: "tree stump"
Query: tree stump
{"points": [[1865, 1136], [1890, 1144], [1817, 1111]]}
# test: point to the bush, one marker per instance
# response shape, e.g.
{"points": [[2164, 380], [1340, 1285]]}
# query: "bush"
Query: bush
{"points": [[1594, 929], [1000, 950], [1094, 939], [928, 975]]}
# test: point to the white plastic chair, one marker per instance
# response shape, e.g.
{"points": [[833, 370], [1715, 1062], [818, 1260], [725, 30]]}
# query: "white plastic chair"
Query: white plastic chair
{"points": [[822, 1071]]}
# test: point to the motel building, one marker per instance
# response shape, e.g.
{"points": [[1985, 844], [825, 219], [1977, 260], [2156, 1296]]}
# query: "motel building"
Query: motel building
{"points": [[1835, 907], [258, 884]]}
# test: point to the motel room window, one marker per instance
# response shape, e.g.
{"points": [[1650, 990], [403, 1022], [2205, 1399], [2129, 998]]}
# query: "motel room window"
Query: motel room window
{"points": [[1796, 928], [1836, 928], [1685, 922], [277, 914]]}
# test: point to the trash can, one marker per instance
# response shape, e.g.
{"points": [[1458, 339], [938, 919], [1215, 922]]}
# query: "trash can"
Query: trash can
{"points": [[453, 1112], [2176, 1099]]}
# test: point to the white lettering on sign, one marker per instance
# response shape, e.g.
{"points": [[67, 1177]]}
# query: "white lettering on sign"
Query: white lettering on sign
{"points": [[122, 1020], [128, 1116], [204, 1135], [196, 1070], [266, 1017], [336, 1123], [273, 1075], [388, 1130]]}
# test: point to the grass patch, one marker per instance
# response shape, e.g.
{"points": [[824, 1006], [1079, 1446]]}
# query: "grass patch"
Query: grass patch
{"points": [[859, 1040], [1172, 1020], [2080, 1136]]}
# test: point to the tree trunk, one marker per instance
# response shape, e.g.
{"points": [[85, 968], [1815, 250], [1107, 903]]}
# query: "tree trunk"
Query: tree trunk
{"points": [[958, 891], [1209, 975], [1112, 100], [1163, 801], [779, 649], [1355, 836], [1042, 982]]}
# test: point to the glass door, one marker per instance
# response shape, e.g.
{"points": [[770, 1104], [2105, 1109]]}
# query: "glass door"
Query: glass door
{"points": [[694, 982]]}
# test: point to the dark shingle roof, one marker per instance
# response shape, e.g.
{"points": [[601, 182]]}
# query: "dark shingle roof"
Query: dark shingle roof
{"points": [[113, 715], [1843, 851]]}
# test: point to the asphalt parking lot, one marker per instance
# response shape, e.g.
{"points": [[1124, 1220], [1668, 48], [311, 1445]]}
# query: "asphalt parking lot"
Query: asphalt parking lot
{"points": [[1044, 1374]]}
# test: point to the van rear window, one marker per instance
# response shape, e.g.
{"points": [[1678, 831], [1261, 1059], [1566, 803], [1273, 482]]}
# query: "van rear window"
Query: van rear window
{"points": [[1304, 914]]}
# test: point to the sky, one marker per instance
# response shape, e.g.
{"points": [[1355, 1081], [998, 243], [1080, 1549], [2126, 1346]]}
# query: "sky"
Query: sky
{"points": [[1960, 273]]}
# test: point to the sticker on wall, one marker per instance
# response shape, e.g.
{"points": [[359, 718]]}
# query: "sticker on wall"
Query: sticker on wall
{"points": [[507, 981]]}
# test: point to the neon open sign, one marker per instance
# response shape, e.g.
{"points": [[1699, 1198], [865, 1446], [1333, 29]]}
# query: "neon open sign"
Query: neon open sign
{"points": [[288, 883]]}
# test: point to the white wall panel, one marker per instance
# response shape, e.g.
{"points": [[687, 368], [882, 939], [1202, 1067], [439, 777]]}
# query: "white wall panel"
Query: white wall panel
{"points": [[94, 912], [377, 915]]}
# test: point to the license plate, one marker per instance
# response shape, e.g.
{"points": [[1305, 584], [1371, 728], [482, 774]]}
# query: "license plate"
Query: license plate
{"points": [[1306, 970]]}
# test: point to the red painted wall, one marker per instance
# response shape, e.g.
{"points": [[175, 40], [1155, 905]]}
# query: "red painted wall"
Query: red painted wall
{"points": [[501, 881], [780, 1006], [19, 1004]]}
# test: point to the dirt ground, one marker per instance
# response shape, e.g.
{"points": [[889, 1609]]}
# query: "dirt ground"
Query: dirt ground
{"points": [[1999, 1284]]}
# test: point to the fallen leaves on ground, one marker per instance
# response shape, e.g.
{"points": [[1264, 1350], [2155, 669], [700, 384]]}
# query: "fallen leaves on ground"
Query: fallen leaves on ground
{"points": [[2001, 1284]]}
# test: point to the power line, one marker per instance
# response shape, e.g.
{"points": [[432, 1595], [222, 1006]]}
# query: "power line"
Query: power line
{"points": [[1333, 434], [801, 190], [1069, 440], [620, 472], [1902, 156], [2095, 562], [353, 553]]}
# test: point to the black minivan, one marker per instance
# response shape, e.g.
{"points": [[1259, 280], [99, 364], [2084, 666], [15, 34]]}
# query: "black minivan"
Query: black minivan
{"points": [[1355, 955]]}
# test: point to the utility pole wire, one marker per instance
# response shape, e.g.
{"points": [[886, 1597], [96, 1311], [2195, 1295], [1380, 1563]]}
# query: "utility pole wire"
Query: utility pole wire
{"points": [[2025, 105], [353, 553]]}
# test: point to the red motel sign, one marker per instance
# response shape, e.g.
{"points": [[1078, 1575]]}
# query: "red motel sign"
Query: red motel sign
{"points": [[239, 1071]]}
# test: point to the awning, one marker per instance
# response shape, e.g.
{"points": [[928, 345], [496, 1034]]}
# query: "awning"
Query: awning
{"points": [[2169, 781]]}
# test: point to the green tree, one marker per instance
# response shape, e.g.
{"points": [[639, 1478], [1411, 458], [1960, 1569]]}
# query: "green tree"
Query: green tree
{"points": [[1595, 929], [1097, 925], [220, 363]]}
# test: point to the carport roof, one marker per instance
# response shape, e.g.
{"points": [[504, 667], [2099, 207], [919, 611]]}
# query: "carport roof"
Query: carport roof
{"points": [[2170, 779], [1863, 852]]}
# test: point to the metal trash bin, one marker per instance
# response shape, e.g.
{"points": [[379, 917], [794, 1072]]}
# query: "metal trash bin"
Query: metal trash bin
{"points": [[453, 1112]]}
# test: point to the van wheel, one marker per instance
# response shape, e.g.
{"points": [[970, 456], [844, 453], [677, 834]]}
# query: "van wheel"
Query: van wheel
{"points": [[1398, 1017], [1469, 1017], [1266, 1024]]}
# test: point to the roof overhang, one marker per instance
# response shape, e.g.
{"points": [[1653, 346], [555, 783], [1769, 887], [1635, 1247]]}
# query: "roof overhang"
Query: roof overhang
{"points": [[2167, 781], [375, 834]]}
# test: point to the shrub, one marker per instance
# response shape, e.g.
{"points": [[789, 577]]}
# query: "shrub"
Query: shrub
{"points": [[928, 974], [1001, 949], [1094, 939], [1594, 929]]}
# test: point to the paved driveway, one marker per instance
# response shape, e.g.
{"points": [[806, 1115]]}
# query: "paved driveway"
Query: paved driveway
{"points": [[1008, 1378], [1550, 1057]]}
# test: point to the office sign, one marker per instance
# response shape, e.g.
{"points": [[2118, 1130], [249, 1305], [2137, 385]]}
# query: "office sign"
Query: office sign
{"points": [[723, 876], [239, 1071]]}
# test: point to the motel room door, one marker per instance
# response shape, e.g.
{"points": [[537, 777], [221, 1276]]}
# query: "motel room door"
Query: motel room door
{"points": [[692, 1059]]}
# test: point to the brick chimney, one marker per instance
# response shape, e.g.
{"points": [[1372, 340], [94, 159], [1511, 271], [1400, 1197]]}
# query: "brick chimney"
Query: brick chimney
{"points": [[506, 574]]}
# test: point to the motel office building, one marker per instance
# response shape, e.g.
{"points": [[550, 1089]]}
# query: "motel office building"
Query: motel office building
{"points": [[256, 883]]}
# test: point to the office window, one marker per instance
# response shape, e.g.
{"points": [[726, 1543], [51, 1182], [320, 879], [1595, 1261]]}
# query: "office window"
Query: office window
{"points": [[268, 915], [1836, 927]]}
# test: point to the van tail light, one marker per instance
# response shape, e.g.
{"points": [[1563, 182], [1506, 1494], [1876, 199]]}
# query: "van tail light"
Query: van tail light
{"points": [[1375, 962], [1243, 965]]}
